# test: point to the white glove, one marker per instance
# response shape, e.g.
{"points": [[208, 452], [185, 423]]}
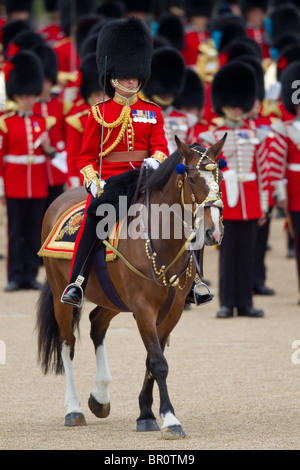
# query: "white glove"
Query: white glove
{"points": [[94, 188], [151, 163]]}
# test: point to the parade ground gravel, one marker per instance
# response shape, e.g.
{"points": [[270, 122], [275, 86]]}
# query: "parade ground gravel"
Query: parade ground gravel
{"points": [[234, 383]]}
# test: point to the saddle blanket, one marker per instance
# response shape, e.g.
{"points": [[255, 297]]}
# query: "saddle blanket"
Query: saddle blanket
{"points": [[61, 240]]}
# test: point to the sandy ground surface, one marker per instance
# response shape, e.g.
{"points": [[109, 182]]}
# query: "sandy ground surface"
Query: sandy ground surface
{"points": [[232, 382]]}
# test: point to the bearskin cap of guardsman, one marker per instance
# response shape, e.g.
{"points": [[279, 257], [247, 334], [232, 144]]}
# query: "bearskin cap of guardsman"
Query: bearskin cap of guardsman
{"points": [[167, 73], [48, 60], [290, 94], [23, 74], [234, 85], [12, 6], [127, 44], [89, 82], [193, 93]]}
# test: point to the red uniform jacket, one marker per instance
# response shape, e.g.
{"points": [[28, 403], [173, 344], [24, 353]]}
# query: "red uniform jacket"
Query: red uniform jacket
{"points": [[52, 110], [192, 40], [242, 188], [258, 35], [22, 161], [144, 132], [74, 128], [52, 33], [286, 159], [177, 122]]}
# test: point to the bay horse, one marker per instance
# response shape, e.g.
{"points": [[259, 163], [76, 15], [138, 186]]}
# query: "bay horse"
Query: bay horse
{"points": [[191, 175]]}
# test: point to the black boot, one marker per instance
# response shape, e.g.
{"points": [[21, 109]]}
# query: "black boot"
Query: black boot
{"points": [[72, 295], [195, 297]]}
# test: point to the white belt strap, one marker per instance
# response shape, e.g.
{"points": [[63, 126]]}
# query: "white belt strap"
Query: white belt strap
{"points": [[294, 166], [25, 159]]}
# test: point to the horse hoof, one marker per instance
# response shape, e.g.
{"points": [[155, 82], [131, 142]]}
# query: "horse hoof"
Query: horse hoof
{"points": [[98, 409], [75, 419], [145, 425], [173, 432]]}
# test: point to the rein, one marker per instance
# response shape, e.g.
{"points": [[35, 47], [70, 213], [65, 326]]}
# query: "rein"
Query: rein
{"points": [[213, 199]]}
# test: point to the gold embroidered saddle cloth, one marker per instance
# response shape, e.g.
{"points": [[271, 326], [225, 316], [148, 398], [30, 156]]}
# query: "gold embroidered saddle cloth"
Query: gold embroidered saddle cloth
{"points": [[61, 240]]}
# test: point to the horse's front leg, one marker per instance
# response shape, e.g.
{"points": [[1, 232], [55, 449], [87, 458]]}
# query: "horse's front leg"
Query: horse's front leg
{"points": [[99, 401], [157, 367]]}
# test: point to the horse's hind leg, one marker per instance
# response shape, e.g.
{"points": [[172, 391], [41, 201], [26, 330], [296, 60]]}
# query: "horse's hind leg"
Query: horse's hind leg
{"points": [[99, 401], [64, 317]]}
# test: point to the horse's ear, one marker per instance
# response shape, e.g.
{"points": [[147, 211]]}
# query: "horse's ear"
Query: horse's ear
{"points": [[216, 149], [182, 147]]}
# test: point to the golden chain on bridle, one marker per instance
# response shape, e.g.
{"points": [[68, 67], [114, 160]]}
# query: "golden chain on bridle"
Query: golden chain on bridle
{"points": [[215, 200]]}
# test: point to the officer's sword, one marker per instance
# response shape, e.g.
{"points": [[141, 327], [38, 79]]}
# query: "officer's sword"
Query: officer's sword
{"points": [[102, 127]]}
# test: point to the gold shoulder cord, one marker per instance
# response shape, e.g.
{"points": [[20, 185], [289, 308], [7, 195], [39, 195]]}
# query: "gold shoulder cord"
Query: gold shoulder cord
{"points": [[123, 120]]}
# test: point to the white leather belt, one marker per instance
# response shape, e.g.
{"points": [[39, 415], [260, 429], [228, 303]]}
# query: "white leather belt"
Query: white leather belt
{"points": [[247, 177], [25, 159], [294, 166]]}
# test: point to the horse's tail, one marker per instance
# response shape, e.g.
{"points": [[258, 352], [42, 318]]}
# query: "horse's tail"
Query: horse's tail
{"points": [[49, 344]]}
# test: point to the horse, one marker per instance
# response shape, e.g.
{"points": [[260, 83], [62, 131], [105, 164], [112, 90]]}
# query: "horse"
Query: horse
{"points": [[191, 177]]}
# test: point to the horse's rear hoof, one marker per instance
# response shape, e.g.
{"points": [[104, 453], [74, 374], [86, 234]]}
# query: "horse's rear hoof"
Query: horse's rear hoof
{"points": [[173, 432], [98, 409], [75, 419], [145, 425]]}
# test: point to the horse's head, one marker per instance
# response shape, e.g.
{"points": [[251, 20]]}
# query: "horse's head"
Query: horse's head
{"points": [[200, 179]]}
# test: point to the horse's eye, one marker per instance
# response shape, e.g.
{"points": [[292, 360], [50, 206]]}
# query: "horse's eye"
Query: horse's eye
{"points": [[191, 180]]}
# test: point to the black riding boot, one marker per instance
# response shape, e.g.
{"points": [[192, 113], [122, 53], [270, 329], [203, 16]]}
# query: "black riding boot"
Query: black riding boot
{"points": [[73, 294], [196, 297]]}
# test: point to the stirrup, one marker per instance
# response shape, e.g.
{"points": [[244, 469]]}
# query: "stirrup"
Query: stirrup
{"points": [[196, 297], [65, 301]]}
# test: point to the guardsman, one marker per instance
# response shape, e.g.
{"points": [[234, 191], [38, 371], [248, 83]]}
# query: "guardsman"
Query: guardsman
{"points": [[244, 198], [164, 86], [285, 164], [132, 131], [254, 12], [49, 107], [52, 31], [23, 172], [196, 31], [92, 93]]}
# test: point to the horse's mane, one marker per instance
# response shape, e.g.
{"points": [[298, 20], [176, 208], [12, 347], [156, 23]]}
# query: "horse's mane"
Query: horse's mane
{"points": [[126, 183]]}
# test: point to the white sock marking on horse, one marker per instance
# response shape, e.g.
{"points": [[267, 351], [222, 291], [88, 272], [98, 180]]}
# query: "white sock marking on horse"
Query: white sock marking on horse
{"points": [[71, 398], [103, 377], [169, 420], [215, 215]]}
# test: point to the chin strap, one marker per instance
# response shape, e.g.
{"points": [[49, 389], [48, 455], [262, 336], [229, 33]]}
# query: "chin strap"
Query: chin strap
{"points": [[116, 83]]}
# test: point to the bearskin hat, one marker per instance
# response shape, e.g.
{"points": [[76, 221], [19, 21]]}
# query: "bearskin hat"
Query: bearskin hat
{"points": [[18, 5], [51, 5], [83, 28], [89, 76], [171, 27], [89, 45], [137, 5], [225, 29], [246, 5], [167, 73], [127, 44], [24, 74], [235, 49], [283, 19], [70, 12], [288, 55], [24, 40], [196, 8], [112, 9], [193, 94], [11, 29], [288, 91], [234, 85], [256, 64], [48, 60]]}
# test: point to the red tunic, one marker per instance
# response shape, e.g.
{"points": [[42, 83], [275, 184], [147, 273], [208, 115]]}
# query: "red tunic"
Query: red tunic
{"points": [[147, 134], [53, 110], [242, 192], [22, 161], [192, 41], [75, 124]]}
